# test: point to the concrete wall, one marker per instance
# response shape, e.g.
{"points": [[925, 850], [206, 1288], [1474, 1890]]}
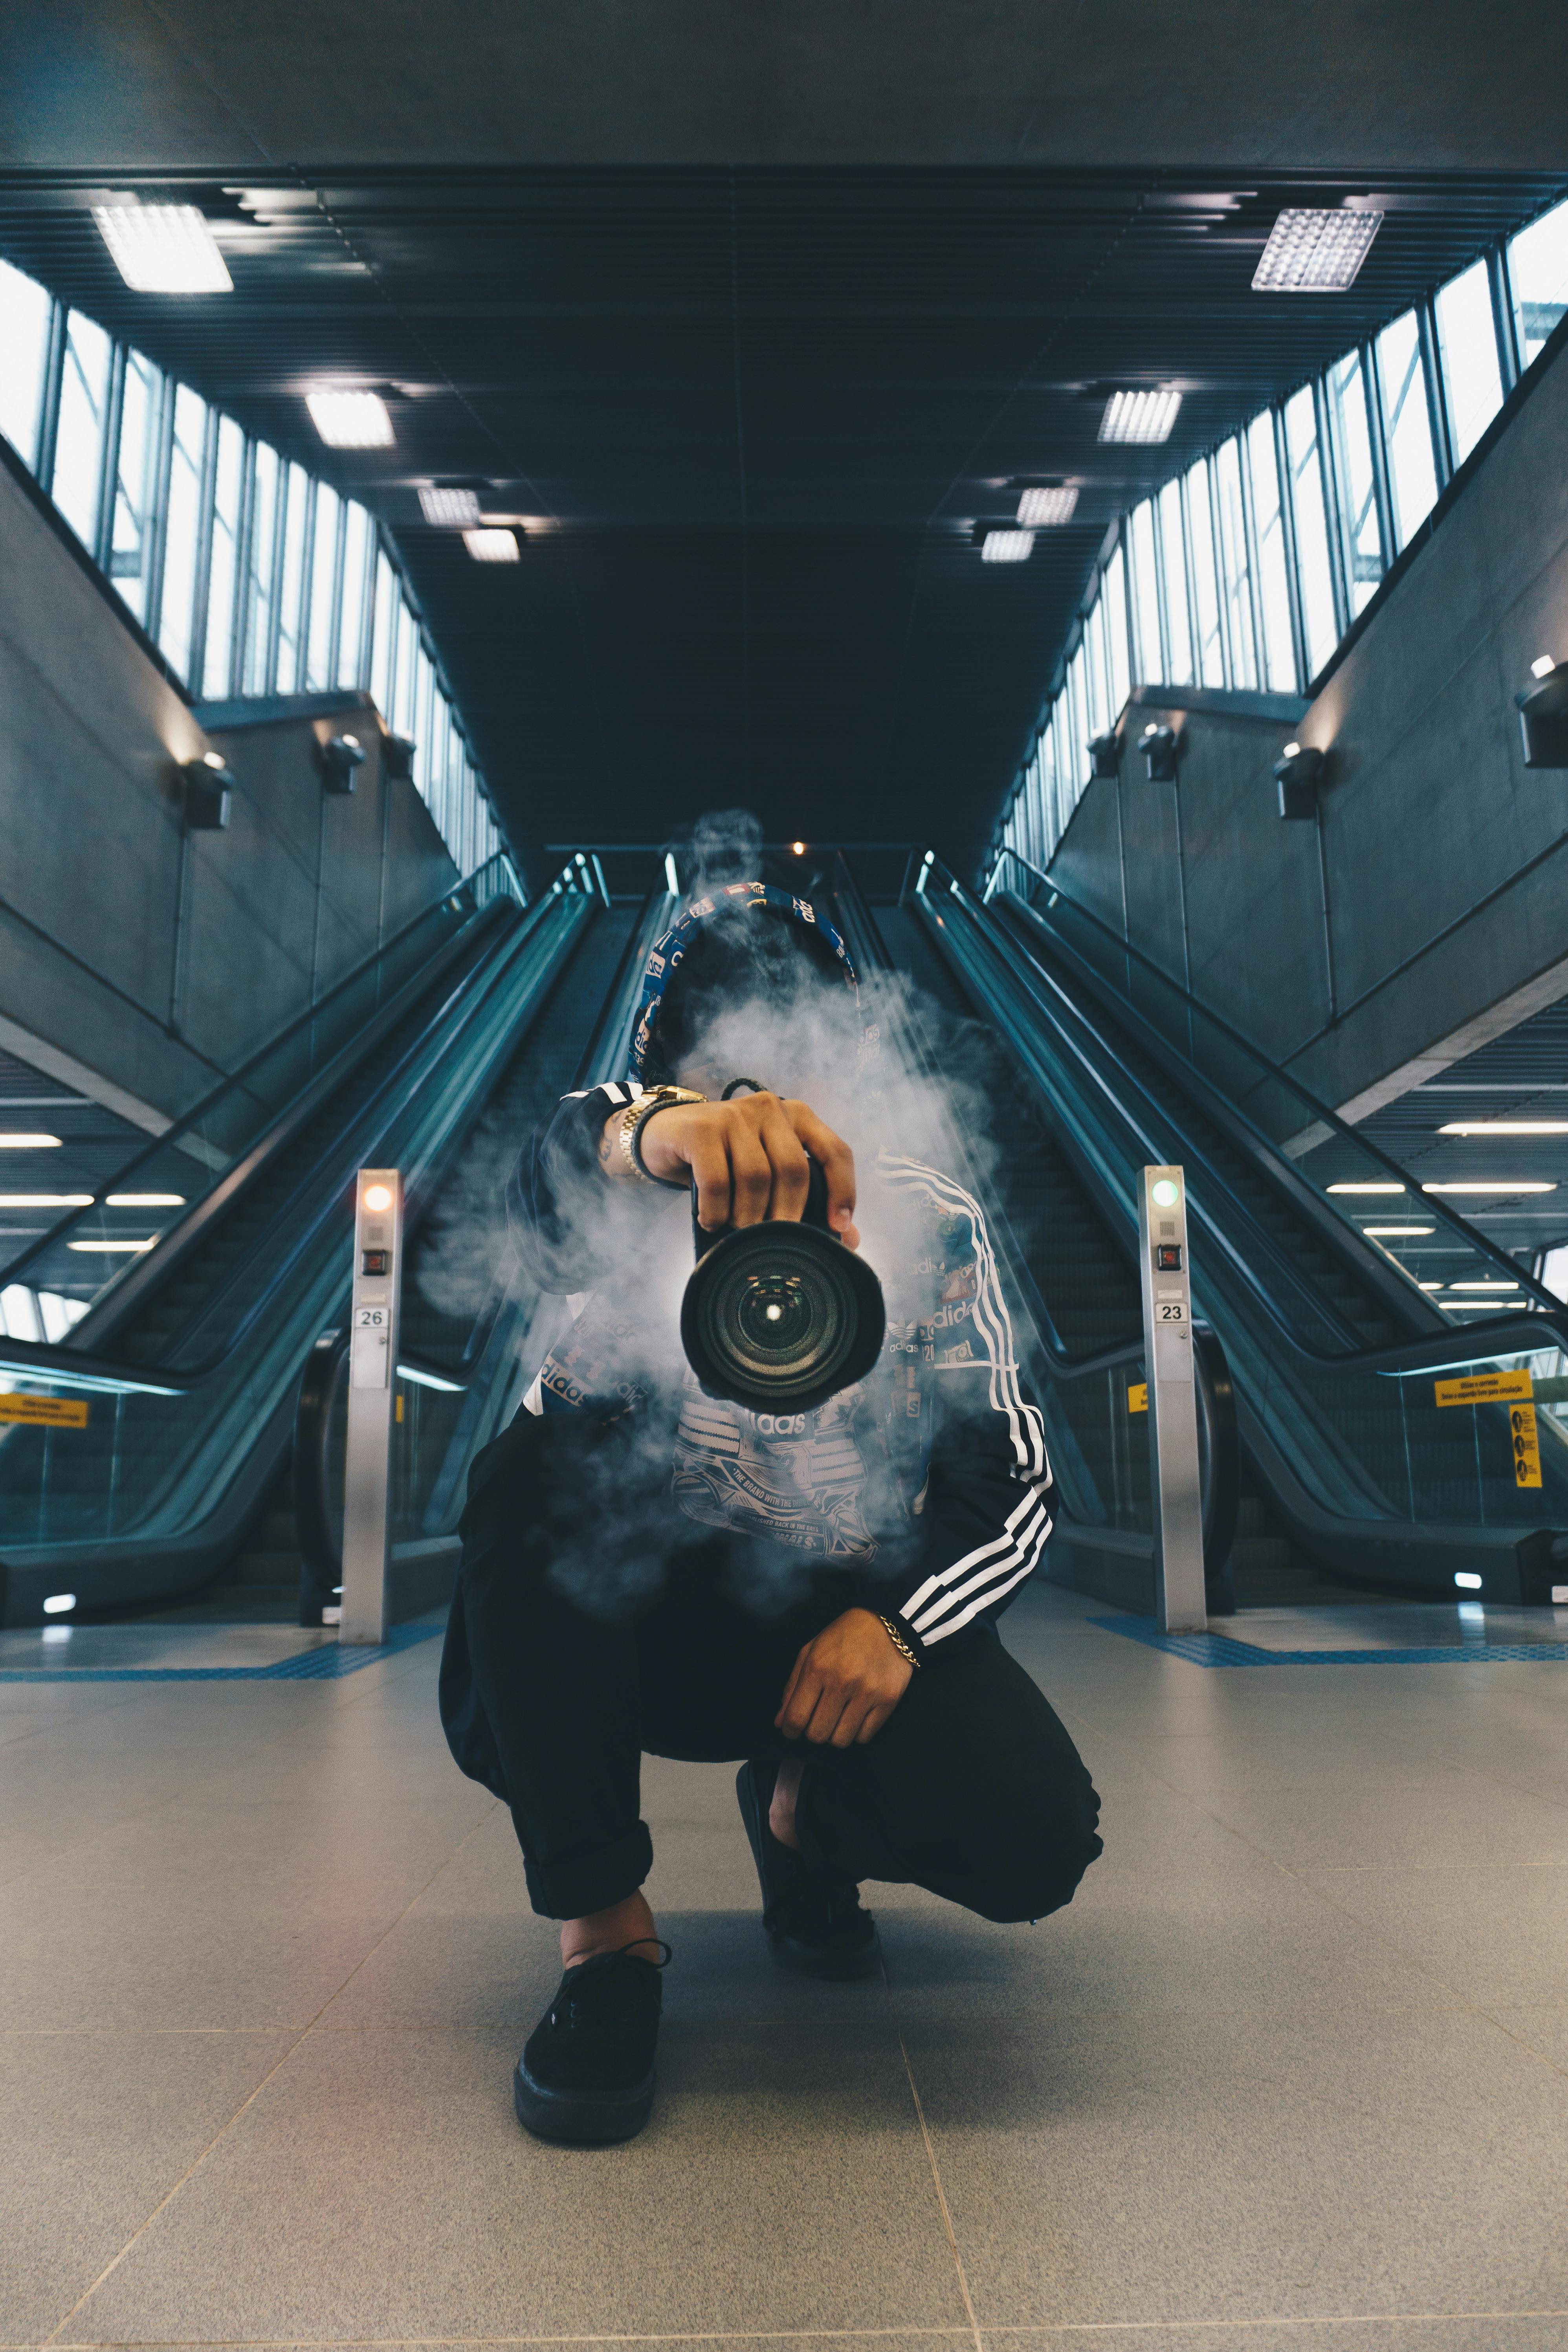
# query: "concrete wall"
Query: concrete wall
{"points": [[1427, 909], [140, 962]]}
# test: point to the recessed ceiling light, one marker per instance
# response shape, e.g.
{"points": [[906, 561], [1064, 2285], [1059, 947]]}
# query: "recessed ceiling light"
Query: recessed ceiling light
{"points": [[1042, 507], [1007, 546], [1505, 1126], [491, 546], [456, 509], [163, 248], [351, 420], [1315, 252], [1139, 416]]}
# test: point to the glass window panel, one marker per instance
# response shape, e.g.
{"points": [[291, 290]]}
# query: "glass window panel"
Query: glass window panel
{"points": [[1235, 572], [1350, 431], [79, 441], [1318, 624], [1273, 577], [356, 572], [136, 482], [1149, 661], [182, 529], [403, 678], [383, 647], [1407, 431], [1078, 705], [1173, 568], [323, 583], [1468, 354], [1538, 279], [1113, 597], [1210, 648], [291, 580], [25, 313], [424, 766], [267, 472], [223, 572], [1094, 671]]}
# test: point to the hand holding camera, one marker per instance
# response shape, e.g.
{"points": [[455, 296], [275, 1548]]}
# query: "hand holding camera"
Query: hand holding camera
{"points": [[749, 1161]]}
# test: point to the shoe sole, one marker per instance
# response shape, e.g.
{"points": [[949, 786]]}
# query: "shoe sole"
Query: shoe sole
{"points": [[580, 2118], [822, 1962]]}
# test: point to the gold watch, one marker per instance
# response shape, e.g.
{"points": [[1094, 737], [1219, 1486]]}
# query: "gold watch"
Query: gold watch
{"points": [[633, 1121]]}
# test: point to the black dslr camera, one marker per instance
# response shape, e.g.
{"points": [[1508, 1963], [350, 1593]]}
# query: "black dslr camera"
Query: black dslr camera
{"points": [[780, 1316]]}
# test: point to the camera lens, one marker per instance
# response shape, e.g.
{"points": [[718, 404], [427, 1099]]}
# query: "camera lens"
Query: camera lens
{"points": [[780, 1316]]}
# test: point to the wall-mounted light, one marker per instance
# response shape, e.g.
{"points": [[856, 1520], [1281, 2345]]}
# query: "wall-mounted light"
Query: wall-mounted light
{"points": [[209, 789], [1543, 714], [1105, 755], [398, 757], [1297, 772], [340, 758], [1158, 745]]}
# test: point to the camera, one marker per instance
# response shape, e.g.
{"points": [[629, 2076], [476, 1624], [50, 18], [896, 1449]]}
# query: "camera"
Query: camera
{"points": [[780, 1316]]}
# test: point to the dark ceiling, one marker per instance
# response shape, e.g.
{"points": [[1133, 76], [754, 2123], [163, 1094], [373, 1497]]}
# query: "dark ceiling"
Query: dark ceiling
{"points": [[757, 406]]}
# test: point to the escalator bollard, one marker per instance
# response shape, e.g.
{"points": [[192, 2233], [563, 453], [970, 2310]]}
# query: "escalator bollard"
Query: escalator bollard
{"points": [[372, 1388], [1180, 1599]]}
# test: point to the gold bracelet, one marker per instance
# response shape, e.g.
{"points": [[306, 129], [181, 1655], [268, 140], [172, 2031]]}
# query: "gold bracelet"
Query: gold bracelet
{"points": [[635, 1119], [898, 1639]]}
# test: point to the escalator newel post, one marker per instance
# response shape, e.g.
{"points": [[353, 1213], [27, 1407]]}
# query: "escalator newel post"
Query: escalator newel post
{"points": [[373, 1386], [1180, 1601]]}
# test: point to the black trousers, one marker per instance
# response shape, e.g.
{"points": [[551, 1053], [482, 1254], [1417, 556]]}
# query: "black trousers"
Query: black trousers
{"points": [[972, 1788]]}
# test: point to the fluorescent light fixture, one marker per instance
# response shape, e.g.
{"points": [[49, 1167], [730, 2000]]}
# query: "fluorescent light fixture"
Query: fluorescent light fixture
{"points": [[1505, 1126], [1542, 665], [111, 1249], [163, 248], [1139, 416], [489, 546], [58, 1603], [1502, 1186], [45, 1199], [1040, 509], [1428, 1285], [456, 509], [146, 1201], [1367, 1187], [1483, 1286], [351, 420], [671, 879], [429, 1381], [29, 1142], [1466, 1582], [1312, 251], [1008, 547], [1387, 1232]]}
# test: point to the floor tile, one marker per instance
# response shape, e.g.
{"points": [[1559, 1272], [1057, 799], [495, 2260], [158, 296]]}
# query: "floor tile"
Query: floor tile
{"points": [[1488, 1935]]}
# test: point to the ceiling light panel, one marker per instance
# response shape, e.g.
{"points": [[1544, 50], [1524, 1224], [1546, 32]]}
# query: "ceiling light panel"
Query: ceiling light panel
{"points": [[1311, 252], [1008, 547], [1139, 416], [163, 248], [1041, 508], [491, 546], [351, 420], [457, 510]]}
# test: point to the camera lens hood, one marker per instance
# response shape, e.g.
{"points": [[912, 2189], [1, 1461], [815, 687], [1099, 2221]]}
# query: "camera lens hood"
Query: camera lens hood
{"points": [[780, 1316]]}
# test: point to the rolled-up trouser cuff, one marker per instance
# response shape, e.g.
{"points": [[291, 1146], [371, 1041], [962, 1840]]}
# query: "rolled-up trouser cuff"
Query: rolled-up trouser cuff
{"points": [[581, 1883]]}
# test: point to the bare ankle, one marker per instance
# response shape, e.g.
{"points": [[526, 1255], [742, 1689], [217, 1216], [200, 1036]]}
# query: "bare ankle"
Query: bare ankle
{"points": [[625, 1927], [781, 1813]]}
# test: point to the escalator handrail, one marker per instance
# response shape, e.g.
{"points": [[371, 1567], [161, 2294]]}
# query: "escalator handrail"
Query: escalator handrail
{"points": [[238, 1079], [1457, 1225]]}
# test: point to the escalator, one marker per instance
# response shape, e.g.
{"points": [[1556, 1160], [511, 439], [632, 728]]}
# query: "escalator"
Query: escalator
{"points": [[1357, 1435], [213, 1259]]}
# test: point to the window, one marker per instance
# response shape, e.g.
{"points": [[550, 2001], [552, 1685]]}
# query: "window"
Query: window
{"points": [[1235, 571], [1319, 624], [1174, 571], [182, 529], [1113, 599], [1351, 436], [291, 578], [1467, 343], [1149, 662], [222, 568], [83, 426], [403, 677], [1206, 579], [356, 574], [1273, 573], [383, 647], [133, 526], [262, 562], [1407, 433], [323, 589], [25, 311], [1538, 281], [1095, 683]]}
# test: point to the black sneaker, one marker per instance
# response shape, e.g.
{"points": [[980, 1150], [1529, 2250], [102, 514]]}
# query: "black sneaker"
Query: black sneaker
{"points": [[586, 2073], [814, 1923]]}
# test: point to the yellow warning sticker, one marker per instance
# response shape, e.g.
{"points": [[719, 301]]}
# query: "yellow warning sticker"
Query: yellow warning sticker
{"points": [[1526, 1445], [1484, 1388], [54, 1412], [1137, 1397]]}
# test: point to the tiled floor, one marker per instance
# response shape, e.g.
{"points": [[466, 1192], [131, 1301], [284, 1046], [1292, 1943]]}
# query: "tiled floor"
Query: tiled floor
{"points": [[1291, 2073]]}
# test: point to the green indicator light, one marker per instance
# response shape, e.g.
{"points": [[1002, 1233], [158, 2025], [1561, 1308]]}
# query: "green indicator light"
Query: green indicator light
{"points": [[1163, 1194]]}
